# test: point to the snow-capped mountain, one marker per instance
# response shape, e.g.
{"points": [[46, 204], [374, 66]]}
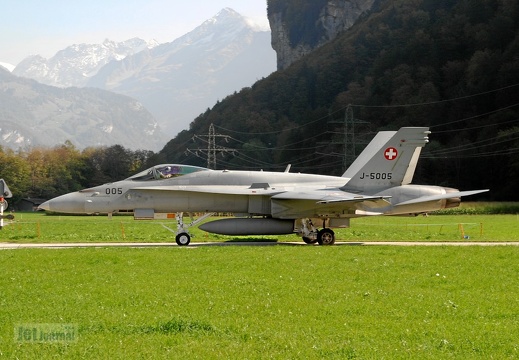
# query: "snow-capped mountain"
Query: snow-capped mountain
{"points": [[74, 65], [33, 114], [175, 81], [7, 66], [179, 80]]}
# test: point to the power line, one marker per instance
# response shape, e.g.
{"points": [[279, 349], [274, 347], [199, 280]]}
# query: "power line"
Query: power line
{"points": [[439, 101]]}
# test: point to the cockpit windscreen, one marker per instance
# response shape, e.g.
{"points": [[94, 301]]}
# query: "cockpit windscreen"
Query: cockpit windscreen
{"points": [[165, 171]]}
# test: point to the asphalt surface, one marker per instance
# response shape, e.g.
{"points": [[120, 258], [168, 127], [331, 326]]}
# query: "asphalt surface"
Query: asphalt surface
{"points": [[6, 246]]}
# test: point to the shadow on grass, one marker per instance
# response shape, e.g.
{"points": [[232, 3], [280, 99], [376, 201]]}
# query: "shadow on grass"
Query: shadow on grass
{"points": [[174, 326], [249, 239]]}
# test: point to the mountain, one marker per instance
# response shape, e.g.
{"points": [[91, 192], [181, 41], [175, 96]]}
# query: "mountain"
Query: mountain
{"points": [[74, 65], [33, 114], [7, 66], [179, 80], [175, 81]]}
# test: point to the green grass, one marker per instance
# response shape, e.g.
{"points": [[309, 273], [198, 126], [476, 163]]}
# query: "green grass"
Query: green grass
{"points": [[280, 302], [40, 228], [483, 208]]}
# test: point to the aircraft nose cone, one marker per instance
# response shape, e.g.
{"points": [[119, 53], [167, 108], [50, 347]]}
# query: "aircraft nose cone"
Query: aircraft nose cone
{"points": [[73, 203], [45, 206]]}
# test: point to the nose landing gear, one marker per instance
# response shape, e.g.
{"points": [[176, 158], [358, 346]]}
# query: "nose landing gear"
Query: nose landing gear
{"points": [[183, 237]]}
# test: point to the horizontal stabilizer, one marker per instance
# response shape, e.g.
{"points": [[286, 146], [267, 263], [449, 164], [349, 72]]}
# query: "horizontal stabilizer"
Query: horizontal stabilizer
{"points": [[441, 197]]}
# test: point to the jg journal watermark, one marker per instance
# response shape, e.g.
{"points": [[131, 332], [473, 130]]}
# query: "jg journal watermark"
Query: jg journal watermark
{"points": [[48, 333]]}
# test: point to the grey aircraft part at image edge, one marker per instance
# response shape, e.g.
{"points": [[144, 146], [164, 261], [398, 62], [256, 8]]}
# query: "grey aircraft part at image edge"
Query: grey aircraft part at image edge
{"points": [[4, 193]]}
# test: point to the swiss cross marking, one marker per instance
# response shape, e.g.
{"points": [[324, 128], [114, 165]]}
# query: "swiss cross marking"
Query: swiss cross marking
{"points": [[390, 153]]}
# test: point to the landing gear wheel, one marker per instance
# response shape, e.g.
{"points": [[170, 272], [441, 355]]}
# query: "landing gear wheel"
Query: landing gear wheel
{"points": [[309, 240], [183, 239], [326, 237]]}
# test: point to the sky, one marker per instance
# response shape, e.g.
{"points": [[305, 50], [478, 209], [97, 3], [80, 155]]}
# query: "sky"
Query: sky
{"points": [[36, 27]]}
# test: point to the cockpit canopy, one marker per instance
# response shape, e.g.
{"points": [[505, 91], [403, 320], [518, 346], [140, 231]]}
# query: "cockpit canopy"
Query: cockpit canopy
{"points": [[165, 171]]}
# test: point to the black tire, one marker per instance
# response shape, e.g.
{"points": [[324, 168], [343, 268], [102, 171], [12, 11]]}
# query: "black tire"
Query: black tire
{"points": [[326, 237], [309, 240], [183, 239]]}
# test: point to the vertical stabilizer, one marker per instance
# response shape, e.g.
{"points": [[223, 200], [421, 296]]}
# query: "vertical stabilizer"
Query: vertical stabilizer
{"points": [[392, 163], [369, 151]]}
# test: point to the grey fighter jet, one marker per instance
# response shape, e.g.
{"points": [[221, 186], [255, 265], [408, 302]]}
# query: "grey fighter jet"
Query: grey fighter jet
{"points": [[274, 203]]}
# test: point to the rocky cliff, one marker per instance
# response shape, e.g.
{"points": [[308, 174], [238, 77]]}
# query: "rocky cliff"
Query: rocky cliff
{"points": [[330, 19]]}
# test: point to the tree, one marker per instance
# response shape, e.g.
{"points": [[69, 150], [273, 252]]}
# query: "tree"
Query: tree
{"points": [[16, 173]]}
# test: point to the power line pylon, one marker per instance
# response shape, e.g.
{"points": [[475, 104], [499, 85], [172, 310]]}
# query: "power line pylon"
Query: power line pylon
{"points": [[349, 138], [212, 147], [353, 136]]}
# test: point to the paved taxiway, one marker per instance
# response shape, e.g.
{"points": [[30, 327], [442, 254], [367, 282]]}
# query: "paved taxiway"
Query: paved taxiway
{"points": [[5, 246]]}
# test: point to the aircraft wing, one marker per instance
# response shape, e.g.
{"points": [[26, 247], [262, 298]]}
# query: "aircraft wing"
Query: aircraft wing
{"points": [[333, 197], [322, 197], [440, 197], [331, 203], [211, 189]]}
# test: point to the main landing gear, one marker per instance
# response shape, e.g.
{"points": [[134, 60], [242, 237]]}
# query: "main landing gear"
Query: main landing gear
{"points": [[311, 235], [183, 238], [326, 237]]}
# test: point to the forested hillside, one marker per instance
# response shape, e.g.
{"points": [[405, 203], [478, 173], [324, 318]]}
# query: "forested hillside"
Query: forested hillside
{"points": [[451, 65]]}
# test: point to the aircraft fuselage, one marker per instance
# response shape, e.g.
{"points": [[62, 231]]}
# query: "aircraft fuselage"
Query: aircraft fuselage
{"points": [[238, 192], [204, 191]]}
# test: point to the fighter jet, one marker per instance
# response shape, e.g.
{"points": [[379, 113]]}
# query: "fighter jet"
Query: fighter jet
{"points": [[275, 203]]}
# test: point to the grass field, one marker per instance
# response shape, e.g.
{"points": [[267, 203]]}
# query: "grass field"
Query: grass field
{"points": [[37, 227], [280, 302]]}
